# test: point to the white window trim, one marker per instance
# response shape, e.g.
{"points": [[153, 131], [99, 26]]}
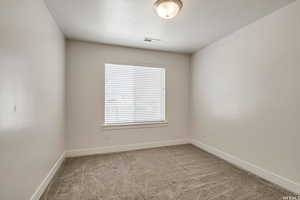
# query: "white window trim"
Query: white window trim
{"points": [[135, 125]]}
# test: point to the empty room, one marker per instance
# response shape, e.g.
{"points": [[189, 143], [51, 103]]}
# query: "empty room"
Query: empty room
{"points": [[149, 99]]}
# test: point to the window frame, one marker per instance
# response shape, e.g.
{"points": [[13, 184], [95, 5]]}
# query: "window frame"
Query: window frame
{"points": [[145, 124]]}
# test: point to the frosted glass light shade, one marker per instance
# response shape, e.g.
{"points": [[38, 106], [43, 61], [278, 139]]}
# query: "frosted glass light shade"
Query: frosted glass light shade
{"points": [[167, 9]]}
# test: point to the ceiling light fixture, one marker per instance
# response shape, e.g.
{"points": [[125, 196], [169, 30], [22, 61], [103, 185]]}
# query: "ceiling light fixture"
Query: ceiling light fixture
{"points": [[167, 9]]}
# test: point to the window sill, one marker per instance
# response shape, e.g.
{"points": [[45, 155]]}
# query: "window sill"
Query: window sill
{"points": [[135, 125]]}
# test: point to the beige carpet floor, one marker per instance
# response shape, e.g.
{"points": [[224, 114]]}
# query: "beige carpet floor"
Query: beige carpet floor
{"points": [[169, 173]]}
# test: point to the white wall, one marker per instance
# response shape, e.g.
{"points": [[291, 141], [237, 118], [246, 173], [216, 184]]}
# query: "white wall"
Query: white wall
{"points": [[31, 96], [85, 95], [246, 93]]}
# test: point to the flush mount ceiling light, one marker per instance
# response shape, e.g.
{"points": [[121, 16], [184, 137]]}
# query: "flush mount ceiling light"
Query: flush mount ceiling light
{"points": [[167, 9]]}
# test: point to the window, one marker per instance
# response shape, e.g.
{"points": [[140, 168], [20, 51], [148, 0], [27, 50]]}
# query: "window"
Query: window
{"points": [[134, 94]]}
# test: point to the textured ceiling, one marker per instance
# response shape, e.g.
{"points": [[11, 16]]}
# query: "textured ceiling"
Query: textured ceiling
{"points": [[128, 22]]}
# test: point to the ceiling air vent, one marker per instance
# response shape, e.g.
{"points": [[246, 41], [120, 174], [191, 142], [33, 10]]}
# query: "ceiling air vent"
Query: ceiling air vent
{"points": [[148, 39]]}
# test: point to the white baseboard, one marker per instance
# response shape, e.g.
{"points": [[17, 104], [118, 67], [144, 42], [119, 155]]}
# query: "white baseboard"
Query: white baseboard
{"points": [[265, 174], [42, 187], [121, 148]]}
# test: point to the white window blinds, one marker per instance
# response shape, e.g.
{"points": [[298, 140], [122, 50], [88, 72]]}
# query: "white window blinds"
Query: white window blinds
{"points": [[134, 94]]}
